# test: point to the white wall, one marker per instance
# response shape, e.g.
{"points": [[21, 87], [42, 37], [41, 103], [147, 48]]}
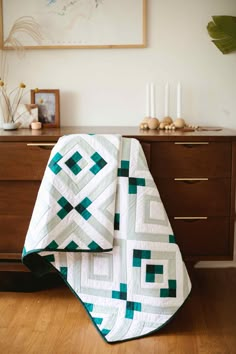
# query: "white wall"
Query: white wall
{"points": [[107, 86]]}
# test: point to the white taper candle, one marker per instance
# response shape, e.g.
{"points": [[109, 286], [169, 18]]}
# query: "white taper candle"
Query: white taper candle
{"points": [[148, 100], [166, 112], [152, 100], [179, 100]]}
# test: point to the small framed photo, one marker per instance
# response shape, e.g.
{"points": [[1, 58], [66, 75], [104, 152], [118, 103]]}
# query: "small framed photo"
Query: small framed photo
{"points": [[48, 102]]}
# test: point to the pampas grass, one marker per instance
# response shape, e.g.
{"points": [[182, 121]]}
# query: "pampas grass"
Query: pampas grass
{"points": [[26, 25], [10, 100]]}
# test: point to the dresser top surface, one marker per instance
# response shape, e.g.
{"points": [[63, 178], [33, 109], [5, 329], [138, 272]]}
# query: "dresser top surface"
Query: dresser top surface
{"points": [[52, 134]]}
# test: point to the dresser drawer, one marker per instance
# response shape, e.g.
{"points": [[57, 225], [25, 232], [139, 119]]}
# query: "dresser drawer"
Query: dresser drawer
{"points": [[209, 237], [210, 197], [20, 161], [202, 159], [17, 199], [13, 233]]}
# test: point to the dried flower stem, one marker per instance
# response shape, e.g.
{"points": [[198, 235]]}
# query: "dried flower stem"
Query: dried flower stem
{"points": [[27, 25], [12, 105]]}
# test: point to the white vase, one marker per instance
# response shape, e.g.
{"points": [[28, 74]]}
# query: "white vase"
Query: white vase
{"points": [[6, 117], [10, 126]]}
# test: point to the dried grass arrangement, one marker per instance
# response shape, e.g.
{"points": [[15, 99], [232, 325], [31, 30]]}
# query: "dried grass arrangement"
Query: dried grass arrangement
{"points": [[10, 99]]}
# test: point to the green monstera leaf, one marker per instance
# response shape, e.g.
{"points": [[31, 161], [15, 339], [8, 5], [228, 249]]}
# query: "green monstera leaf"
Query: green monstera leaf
{"points": [[223, 31]]}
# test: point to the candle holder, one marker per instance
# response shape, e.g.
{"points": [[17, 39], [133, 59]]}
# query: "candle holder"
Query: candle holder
{"points": [[153, 123], [179, 123], [149, 123], [166, 121], [144, 124]]}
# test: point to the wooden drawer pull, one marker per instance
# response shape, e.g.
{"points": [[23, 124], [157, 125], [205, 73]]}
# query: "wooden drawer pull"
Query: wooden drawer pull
{"points": [[190, 218], [41, 144], [44, 146], [191, 180], [191, 143]]}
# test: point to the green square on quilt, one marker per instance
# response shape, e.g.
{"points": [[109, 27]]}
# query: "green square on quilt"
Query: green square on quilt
{"points": [[53, 164], [72, 163], [99, 163]]}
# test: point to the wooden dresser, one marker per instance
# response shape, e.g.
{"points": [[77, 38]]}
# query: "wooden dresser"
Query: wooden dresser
{"points": [[194, 172]]}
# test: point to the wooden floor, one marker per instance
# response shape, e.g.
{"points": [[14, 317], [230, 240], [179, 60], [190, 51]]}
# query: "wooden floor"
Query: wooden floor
{"points": [[53, 321]]}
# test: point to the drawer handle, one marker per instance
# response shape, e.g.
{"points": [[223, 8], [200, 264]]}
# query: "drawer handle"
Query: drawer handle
{"points": [[191, 180], [191, 143], [190, 218], [41, 144]]}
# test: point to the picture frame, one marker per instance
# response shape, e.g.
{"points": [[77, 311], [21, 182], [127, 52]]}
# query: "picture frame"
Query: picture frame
{"points": [[79, 24], [48, 102]]}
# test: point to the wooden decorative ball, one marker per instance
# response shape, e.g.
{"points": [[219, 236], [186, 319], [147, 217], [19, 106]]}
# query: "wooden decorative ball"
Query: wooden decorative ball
{"points": [[179, 123], [167, 120], [153, 123], [162, 125], [143, 126]]}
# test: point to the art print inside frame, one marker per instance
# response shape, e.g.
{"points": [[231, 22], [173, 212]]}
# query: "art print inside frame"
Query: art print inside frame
{"points": [[80, 23], [47, 102]]}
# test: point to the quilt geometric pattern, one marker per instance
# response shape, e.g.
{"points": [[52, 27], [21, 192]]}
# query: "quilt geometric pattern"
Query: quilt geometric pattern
{"points": [[98, 196]]}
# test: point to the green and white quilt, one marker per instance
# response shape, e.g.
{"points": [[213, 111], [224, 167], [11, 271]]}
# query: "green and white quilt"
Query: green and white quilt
{"points": [[99, 220]]}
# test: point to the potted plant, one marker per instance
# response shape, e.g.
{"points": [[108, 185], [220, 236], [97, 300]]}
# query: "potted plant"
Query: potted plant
{"points": [[223, 31], [10, 103]]}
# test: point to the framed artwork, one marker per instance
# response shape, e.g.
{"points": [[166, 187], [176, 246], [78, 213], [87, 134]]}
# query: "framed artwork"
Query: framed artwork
{"points": [[79, 23], [48, 103]]}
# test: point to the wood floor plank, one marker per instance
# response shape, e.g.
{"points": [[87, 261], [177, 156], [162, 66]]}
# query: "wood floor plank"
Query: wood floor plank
{"points": [[53, 321]]}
